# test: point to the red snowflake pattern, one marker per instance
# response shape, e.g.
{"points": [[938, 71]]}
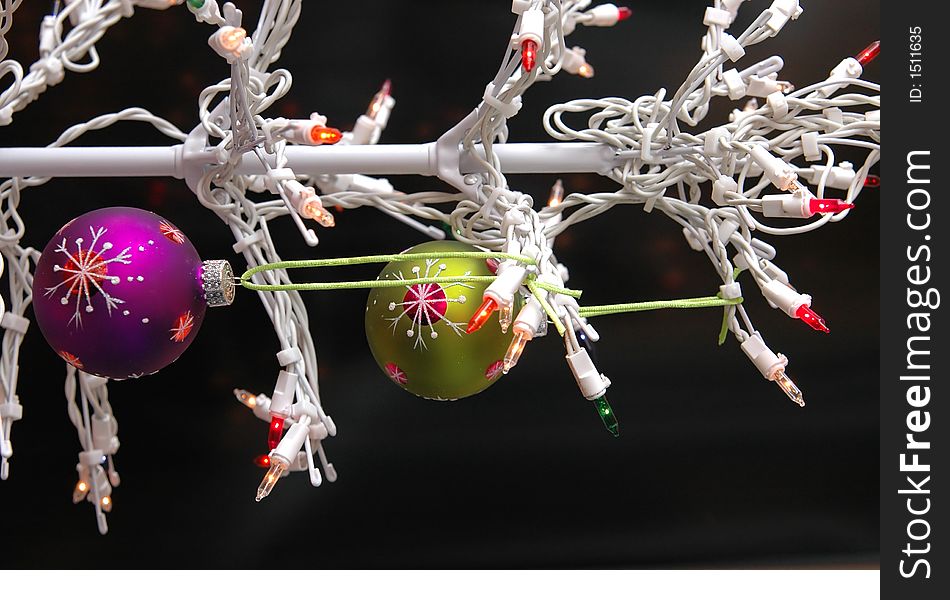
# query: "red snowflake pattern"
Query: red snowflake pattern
{"points": [[428, 298], [71, 359], [396, 374], [171, 232], [182, 327], [495, 369]]}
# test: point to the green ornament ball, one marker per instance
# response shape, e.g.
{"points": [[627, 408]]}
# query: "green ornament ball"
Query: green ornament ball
{"points": [[417, 332]]}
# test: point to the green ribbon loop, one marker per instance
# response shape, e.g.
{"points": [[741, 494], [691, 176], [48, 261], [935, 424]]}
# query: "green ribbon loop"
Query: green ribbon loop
{"points": [[533, 285], [612, 309], [363, 260]]}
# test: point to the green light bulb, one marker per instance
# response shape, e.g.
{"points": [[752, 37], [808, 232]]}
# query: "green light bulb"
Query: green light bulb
{"points": [[607, 415], [449, 232], [196, 3]]}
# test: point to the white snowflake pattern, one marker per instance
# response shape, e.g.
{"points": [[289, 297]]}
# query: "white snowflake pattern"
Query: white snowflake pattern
{"points": [[426, 303], [85, 270]]}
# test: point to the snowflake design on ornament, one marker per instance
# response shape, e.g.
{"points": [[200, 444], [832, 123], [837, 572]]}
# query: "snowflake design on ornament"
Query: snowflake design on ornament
{"points": [[171, 232], [495, 369], [183, 326], [84, 272], [396, 374], [71, 358], [426, 304]]}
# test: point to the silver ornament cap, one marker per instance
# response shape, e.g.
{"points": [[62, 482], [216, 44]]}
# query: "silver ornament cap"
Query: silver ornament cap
{"points": [[217, 281]]}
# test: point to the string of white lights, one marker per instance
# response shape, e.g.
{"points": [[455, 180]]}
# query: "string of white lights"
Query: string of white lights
{"points": [[777, 157]]}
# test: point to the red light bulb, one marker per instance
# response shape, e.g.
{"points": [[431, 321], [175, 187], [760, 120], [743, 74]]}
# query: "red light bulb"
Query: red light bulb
{"points": [[823, 205], [262, 461], [529, 55], [325, 135], [868, 54], [274, 432], [812, 318], [624, 13], [481, 315], [872, 181]]}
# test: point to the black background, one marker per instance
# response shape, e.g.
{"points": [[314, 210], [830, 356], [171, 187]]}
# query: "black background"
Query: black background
{"points": [[715, 466], [918, 131]]}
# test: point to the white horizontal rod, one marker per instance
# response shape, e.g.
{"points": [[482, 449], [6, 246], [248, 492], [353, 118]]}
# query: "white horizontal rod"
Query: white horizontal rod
{"points": [[550, 157], [389, 159], [90, 162]]}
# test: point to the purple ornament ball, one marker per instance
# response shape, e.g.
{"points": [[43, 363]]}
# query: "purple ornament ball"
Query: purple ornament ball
{"points": [[118, 292]]}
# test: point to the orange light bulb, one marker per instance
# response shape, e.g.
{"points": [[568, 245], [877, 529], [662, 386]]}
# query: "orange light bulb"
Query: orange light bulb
{"points": [[273, 475], [313, 209], [324, 135], [80, 491], [232, 38], [247, 399], [520, 340], [481, 315]]}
